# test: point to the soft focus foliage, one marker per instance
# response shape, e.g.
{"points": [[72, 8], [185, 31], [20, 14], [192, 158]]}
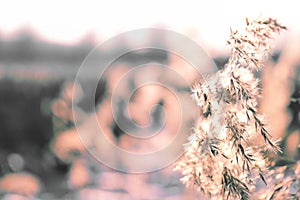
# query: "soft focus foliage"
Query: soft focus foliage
{"points": [[42, 155], [20, 183]]}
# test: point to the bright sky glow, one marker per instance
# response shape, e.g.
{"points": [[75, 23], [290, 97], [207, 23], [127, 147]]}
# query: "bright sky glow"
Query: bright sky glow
{"points": [[206, 21]]}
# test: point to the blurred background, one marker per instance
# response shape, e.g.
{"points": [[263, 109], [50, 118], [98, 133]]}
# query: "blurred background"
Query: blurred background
{"points": [[42, 45]]}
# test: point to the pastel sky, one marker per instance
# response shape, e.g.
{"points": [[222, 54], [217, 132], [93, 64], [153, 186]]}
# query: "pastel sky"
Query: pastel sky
{"points": [[206, 21]]}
